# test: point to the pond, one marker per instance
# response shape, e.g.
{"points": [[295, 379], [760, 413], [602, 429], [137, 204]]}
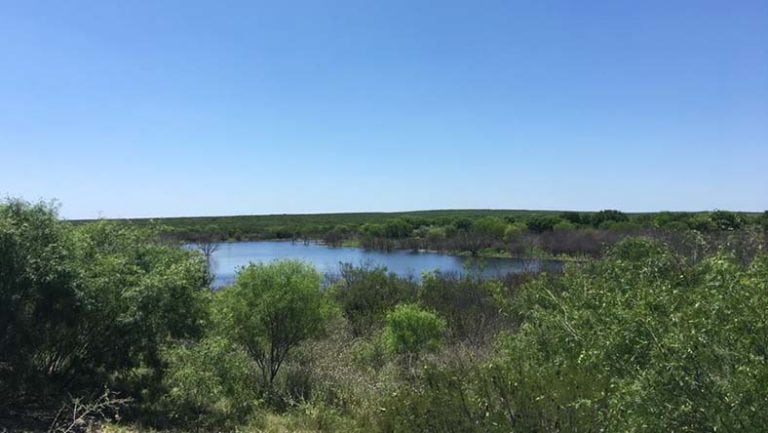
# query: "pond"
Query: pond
{"points": [[230, 256]]}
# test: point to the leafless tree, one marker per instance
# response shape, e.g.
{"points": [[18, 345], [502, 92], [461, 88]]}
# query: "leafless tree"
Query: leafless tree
{"points": [[207, 246]]}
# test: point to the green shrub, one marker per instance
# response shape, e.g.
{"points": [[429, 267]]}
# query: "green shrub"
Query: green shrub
{"points": [[637, 343], [606, 216], [443, 402], [465, 301], [272, 308], [411, 329], [643, 341], [211, 384], [542, 223], [87, 306], [372, 353], [725, 220], [365, 294], [564, 225]]}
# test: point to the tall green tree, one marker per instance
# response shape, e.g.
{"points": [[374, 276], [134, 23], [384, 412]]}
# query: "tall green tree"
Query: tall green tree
{"points": [[81, 306], [272, 308], [39, 305]]}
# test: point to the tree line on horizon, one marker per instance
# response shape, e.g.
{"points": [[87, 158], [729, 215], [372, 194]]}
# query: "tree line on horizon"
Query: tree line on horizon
{"points": [[402, 225], [476, 233]]}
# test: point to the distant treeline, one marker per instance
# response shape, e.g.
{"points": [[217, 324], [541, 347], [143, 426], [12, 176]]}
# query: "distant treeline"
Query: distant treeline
{"points": [[506, 232]]}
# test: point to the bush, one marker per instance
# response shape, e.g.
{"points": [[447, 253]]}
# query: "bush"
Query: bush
{"points": [[397, 228], [608, 216], [443, 402], [491, 227], [84, 306], [466, 302], [542, 223], [643, 341], [365, 294], [211, 384], [39, 308], [412, 330], [725, 220], [637, 343], [763, 220]]}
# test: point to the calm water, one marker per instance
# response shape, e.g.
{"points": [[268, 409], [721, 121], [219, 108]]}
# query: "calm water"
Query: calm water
{"points": [[230, 256]]}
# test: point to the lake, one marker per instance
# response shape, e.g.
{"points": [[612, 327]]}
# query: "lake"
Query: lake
{"points": [[230, 256]]}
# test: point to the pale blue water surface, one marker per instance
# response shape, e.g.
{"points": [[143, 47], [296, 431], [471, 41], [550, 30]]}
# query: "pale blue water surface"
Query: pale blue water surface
{"points": [[231, 256]]}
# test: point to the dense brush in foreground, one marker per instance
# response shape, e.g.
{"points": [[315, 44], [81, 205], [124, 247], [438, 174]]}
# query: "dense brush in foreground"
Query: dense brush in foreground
{"points": [[103, 327]]}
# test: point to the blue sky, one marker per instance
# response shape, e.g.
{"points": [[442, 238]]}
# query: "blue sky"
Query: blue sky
{"points": [[159, 108]]}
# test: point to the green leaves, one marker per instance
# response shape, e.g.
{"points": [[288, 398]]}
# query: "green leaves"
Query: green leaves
{"points": [[80, 306], [365, 294], [651, 343], [210, 383], [271, 309], [412, 330]]}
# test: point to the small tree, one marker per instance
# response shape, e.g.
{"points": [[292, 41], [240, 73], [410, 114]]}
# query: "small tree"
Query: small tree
{"points": [[542, 223], [726, 221], [207, 247], [608, 216], [272, 308], [412, 330]]}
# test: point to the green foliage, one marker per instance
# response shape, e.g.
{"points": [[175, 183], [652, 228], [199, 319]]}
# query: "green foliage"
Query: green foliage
{"points": [[412, 330], [701, 222], [466, 302], [436, 233], [514, 230], [38, 298], [576, 218], [211, 384], [463, 224], [564, 225], [84, 306], [493, 227], [372, 352], [272, 308], [637, 343], [365, 294], [542, 223], [725, 220], [608, 216], [315, 418], [518, 232], [444, 403], [374, 230], [647, 339], [335, 236], [397, 228], [139, 293], [643, 341]]}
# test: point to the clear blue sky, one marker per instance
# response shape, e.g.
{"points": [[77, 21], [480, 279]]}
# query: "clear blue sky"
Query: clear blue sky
{"points": [[158, 108]]}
